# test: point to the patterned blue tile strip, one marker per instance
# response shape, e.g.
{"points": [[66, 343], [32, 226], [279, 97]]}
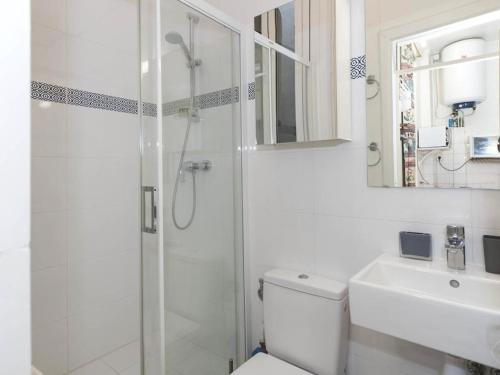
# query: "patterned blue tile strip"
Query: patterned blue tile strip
{"points": [[209, 100], [251, 91], [149, 109], [49, 93], [358, 67], [59, 94], [100, 101]]}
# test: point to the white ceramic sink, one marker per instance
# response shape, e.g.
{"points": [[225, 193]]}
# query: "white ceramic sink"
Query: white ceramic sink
{"points": [[415, 301]]}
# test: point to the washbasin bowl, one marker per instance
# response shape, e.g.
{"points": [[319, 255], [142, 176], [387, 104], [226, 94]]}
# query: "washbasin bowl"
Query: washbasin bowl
{"points": [[456, 312]]}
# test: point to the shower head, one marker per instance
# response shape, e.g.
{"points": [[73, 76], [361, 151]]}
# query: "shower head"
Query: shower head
{"points": [[173, 37]]}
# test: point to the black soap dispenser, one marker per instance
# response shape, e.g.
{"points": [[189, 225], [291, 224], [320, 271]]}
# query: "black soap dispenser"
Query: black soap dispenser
{"points": [[491, 245]]}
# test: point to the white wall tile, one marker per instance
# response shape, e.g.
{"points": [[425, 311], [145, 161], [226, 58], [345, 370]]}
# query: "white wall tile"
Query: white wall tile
{"points": [[285, 240], [95, 183], [49, 184], [102, 232], [50, 348], [102, 280], [485, 206], [95, 332], [94, 133], [95, 67], [48, 240], [48, 45], [48, 129], [49, 13], [110, 26], [49, 296]]}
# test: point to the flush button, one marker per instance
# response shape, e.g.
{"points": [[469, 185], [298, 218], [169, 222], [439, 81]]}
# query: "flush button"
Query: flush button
{"points": [[454, 283], [303, 276]]}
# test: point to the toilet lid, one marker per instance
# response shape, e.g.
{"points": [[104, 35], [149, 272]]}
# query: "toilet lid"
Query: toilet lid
{"points": [[264, 364]]}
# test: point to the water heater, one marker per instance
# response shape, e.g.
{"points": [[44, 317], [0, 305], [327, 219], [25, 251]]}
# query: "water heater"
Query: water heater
{"points": [[463, 85]]}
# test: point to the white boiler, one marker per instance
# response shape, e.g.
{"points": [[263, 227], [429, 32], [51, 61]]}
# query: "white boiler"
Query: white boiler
{"points": [[463, 85]]}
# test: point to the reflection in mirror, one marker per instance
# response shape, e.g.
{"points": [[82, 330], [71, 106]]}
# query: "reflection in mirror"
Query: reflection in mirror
{"points": [[298, 62], [278, 24], [433, 93], [280, 84]]}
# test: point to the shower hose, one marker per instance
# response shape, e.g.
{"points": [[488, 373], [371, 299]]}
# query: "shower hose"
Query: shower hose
{"points": [[178, 176]]}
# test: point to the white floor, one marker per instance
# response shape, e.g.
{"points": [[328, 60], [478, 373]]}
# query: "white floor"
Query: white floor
{"points": [[193, 360], [123, 361], [183, 356]]}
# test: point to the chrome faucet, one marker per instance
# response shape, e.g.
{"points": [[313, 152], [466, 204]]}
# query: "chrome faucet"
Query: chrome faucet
{"points": [[455, 247]]}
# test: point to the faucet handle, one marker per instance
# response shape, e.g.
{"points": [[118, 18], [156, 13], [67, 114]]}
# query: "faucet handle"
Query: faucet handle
{"points": [[455, 247], [455, 231]]}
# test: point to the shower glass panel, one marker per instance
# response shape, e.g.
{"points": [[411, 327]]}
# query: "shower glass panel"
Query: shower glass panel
{"points": [[192, 315]]}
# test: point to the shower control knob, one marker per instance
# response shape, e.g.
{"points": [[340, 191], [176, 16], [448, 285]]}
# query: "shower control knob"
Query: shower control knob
{"points": [[206, 165], [192, 166]]}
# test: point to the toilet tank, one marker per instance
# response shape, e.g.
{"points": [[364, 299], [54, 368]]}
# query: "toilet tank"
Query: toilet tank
{"points": [[306, 320]]}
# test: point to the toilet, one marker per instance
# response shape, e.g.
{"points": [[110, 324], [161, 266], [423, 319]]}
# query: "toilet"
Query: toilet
{"points": [[306, 322]]}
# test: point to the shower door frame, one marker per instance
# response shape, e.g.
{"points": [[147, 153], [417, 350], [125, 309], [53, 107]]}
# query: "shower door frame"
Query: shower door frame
{"points": [[241, 298]]}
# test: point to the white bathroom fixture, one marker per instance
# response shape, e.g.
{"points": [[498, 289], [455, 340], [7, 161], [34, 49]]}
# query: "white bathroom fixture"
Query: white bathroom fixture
{"points": [[464, 83], [306, 322], [433, 138], [456, 312]]}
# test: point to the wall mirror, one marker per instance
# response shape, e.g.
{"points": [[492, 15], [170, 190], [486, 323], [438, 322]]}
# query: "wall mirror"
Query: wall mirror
{"points": [[433, 93], [302, 62]]}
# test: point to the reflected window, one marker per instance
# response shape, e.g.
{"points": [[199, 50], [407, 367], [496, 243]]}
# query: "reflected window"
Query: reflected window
{"points": [[281, 97], [278, 25], [285, 26]]}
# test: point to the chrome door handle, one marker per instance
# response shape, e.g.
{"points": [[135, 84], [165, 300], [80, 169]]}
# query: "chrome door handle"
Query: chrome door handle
{"points": [[148, 220]]}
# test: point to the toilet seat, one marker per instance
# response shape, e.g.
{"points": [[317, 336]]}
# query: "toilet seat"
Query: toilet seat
{"points": [[265, 364]]}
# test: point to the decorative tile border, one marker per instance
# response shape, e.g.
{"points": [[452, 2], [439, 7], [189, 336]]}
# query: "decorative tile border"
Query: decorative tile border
{"points": [[101, 101], [172, 108], [209, 100], [251, 91], [149, 109], [49, 93], [358, 67], [60, 94]]}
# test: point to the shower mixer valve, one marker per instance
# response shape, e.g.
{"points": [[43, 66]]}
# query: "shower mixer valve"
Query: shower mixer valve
{"points": [[193, 63], [193, 166]]}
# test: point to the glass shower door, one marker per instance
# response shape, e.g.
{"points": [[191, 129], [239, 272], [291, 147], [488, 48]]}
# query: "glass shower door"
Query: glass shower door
{"points": [[192, 207]]}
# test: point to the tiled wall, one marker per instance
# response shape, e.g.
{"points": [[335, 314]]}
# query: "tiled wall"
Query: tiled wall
{"points": [[15, 356], [85, 184], [311, 210]]}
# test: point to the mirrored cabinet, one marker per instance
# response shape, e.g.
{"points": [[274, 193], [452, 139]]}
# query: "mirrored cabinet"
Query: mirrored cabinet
{"points": [[302, 73]]}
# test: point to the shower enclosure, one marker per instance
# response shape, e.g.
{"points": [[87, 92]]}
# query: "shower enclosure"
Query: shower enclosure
{"points": [[192, 250]]}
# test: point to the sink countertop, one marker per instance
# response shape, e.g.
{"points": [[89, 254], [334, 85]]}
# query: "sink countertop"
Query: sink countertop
{"points": [[440, 265], [456, 312]]}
